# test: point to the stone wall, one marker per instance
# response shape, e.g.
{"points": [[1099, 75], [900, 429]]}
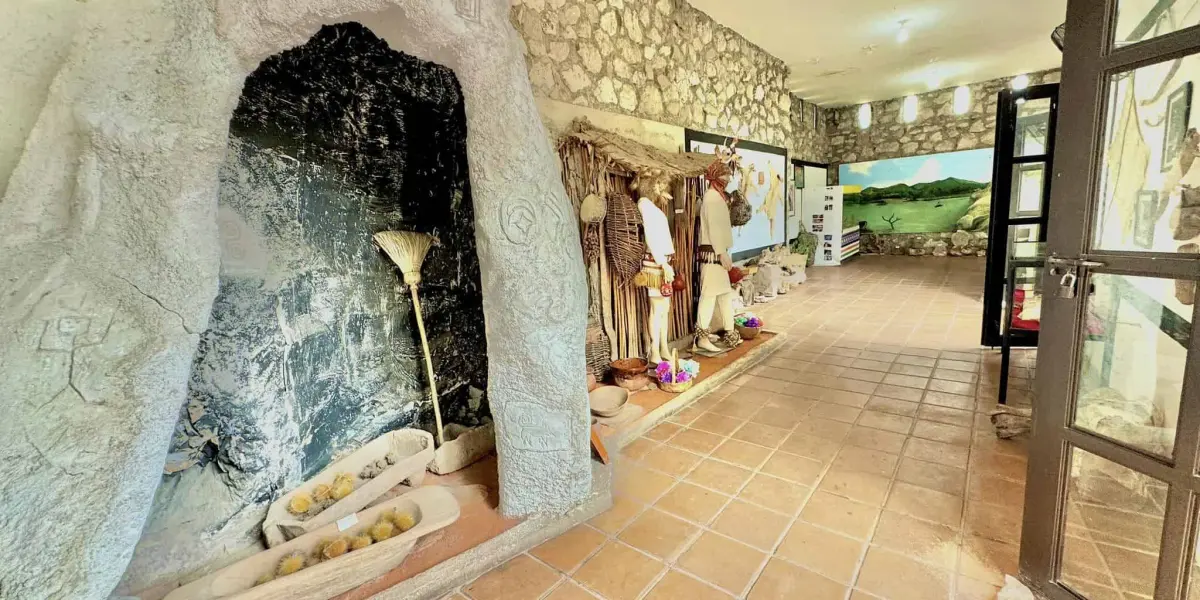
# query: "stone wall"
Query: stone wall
{"points": [[656, 59], [959, 243], [810, 134], [937, 128]]}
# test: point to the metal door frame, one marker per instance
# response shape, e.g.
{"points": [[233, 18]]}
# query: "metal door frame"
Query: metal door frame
{"points": [[1089, 62], [1003, 161]]}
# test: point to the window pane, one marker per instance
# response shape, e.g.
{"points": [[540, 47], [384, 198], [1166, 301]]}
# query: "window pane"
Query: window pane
{"points": [[1027, 186], [1134, 353], [1113, 529], [1033, 127], [1140, 20], [1149, 198]]}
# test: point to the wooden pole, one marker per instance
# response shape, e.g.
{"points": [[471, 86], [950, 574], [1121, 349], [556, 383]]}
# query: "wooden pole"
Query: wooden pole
{"points": [[437, 409]]}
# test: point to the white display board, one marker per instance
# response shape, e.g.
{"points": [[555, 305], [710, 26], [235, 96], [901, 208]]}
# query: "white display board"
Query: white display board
{"points": [[822, 214]]}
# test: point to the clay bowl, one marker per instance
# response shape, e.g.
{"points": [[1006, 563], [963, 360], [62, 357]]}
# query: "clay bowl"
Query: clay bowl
{"points": [[628, 368], [608, 400]]}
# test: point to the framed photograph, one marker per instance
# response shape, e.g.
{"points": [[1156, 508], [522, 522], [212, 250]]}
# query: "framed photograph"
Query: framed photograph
{"points": [[1179, 109], [1145, 215], [799, 176]]}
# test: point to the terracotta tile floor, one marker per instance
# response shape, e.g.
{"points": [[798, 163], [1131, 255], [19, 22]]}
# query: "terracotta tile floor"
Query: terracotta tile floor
{"points": [[856, 462]]}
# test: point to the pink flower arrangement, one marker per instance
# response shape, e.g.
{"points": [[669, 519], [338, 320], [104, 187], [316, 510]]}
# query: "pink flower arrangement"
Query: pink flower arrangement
{"points": [[688, 370]]}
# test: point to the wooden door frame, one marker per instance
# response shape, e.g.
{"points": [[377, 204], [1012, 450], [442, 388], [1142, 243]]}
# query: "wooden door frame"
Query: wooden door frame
{"points": [[1088, 64]]}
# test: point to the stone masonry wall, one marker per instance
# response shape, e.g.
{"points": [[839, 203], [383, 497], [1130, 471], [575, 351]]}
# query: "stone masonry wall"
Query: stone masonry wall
{"points": [[937, 128], [810, 134], [660, 60]]}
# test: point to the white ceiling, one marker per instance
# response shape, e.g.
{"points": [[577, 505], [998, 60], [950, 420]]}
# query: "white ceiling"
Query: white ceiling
{"points": [[952, 42]]}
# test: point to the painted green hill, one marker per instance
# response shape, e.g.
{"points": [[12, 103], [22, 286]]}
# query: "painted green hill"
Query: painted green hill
{"points": [[944, 188]]}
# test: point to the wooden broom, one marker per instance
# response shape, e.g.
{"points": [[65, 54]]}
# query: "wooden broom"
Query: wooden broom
{"points": [[408, 249]]}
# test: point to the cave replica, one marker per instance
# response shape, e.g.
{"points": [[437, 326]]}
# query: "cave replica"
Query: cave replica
{"points": [[197, 317], [312, 347]]}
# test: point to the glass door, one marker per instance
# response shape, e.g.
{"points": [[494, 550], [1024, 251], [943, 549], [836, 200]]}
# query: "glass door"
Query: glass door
{"points": [[1025, 125], [1111, 499]]}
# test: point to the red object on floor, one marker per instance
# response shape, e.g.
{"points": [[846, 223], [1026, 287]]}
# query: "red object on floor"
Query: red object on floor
{"points": [[736, 275], [1018, 307]]}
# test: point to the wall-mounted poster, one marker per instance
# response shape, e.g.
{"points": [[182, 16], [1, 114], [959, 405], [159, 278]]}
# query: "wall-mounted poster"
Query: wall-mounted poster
{"points": [[763, 172], [920, 194]]}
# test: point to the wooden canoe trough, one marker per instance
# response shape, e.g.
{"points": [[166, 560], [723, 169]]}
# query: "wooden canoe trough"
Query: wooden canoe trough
{"points": [[432, 507], [413, 449]]}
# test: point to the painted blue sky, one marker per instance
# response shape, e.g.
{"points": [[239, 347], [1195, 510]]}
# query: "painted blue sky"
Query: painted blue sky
{"points": [[975, 165]]}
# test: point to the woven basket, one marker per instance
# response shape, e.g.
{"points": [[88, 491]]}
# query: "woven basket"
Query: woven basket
{"points": [[740, 211], [749, 333], [676, 388], [597, 351], [623, 241]]}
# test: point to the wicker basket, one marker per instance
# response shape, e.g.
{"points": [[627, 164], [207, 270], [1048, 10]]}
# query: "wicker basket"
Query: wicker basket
{"points": [[676, 388], [597, 351], [749, 333], [622, 239]]}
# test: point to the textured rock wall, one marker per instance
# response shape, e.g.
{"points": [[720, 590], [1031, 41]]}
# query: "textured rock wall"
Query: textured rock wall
{"points": [[657, 59], [959, 243], [810, 134], [110, 254], [312, 347], [35, 37], [937, 128]]}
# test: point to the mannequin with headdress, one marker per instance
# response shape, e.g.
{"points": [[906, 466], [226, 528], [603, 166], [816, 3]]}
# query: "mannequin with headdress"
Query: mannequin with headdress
{"points": [[716, 241], [653, 187]]}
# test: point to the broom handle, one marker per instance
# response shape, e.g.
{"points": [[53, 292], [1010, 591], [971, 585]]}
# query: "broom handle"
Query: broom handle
{"points": [[437, 410]]}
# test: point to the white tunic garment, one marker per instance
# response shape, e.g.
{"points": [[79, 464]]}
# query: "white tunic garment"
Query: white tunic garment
{"points": [[715, 231], [657, 230]]}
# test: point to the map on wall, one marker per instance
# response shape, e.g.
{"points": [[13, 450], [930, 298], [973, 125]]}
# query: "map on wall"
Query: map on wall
{"points": [[763, 184], [920, 194]]}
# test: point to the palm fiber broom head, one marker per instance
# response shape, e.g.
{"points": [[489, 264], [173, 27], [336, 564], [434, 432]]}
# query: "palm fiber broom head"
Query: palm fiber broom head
{"points": [[407, 249]]}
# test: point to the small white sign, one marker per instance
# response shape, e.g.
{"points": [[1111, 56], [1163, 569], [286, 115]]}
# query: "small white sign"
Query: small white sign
{"points": [[345, 523]]}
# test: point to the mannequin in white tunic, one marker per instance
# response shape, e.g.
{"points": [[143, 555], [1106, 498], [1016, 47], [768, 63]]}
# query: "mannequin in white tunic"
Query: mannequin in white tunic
{"points": [[716, 239], [654, 189]]}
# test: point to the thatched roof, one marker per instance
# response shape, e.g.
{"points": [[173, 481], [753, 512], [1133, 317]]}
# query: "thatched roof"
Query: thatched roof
{"points": [[635, 156]]}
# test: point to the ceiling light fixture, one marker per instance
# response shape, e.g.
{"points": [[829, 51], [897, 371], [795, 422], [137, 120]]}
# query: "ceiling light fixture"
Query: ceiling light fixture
{"points": [[962, 100], [903, 35], [908, 110], [864, 116], [1020, 82]]}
